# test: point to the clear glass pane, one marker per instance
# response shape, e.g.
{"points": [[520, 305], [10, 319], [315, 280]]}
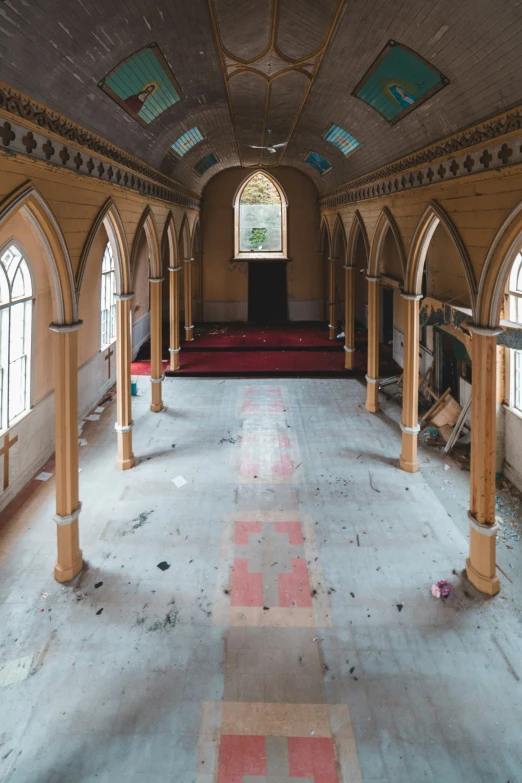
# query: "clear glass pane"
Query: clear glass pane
{"points": [[10, 259], [108, 260], [17, 377], [18, 287], [17, 332], [260, 213], [518, 379], [519, 273], [4, 287]]}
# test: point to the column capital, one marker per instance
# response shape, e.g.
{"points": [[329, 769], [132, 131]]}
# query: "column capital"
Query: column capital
{"points": [[188, 260], [372, 279], [174, 268], [484, 530], [368, 379], [124, 297], [348, 266], [333, 258], [411, 297], [188, 328], [157, 380], [156, 279], [174, 350], [64, 328], [485, 331], [61, 521], [349, 350]]}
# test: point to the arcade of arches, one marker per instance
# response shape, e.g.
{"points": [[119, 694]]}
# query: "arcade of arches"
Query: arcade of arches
{"points": [[220, 532]]}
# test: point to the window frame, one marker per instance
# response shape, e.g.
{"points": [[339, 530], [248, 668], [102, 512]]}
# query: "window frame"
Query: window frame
{"points": [[514, 355], [276, 255], [29, 301], [111, 275]]}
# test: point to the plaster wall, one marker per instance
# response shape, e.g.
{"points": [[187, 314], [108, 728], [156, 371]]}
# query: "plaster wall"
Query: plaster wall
{"points": [[225, 282]]}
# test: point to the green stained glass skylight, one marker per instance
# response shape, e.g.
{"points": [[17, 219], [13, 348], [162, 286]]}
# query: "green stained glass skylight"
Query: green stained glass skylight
{"points": [[341, 139], [187, 141]]}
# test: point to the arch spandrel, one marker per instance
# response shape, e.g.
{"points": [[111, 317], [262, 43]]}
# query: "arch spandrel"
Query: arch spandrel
{"points": [[497, 267], [110, 219], [433, 217], [28, 201]]}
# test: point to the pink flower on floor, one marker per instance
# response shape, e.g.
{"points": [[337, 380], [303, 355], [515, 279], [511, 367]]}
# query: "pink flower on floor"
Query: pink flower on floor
{"points": [[442, 589]]}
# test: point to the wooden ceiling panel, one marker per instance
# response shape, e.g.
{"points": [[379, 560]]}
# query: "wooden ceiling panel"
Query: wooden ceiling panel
{"points": [[286, 95], [245, 26], [248, 94], [303, 26]]}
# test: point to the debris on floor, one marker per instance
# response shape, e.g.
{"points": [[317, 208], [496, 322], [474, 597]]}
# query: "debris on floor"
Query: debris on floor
{"points": [[441, 589], [179, 481], [163, 566]]}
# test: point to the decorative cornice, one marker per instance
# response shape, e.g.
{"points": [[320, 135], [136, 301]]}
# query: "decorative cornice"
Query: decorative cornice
{"points": [[95, 157], [490, 145]]}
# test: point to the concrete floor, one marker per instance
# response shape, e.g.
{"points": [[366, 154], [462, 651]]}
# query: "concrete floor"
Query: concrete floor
{"points": [[293, 637]]}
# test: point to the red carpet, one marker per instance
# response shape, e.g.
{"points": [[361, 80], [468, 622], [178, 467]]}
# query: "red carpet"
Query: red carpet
{"points": [[246, 349]]}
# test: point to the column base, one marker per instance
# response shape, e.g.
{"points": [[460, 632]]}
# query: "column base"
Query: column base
{"points": [[349, 359], [125, 464], [156, 407], [490, 585], [189, 334], [174, 362], [372, 395], [407, 465], [331, 332], [65, 574]]}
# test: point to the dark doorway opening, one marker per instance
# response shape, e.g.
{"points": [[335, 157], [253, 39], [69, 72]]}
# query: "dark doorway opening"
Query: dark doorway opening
{"points": [[267, 300], [387, 316]]}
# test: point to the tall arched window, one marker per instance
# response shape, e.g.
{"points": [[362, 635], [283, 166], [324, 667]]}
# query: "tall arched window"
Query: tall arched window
{"points": [[515, 314], [108, 304], [260, 219], [16, 305]]}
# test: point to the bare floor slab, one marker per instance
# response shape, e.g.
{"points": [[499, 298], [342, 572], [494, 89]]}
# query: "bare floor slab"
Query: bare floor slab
{"points": [[290, 632]]}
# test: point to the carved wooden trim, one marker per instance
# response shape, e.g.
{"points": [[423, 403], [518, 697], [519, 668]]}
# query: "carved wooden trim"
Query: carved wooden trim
{"points": [[490, 145], [95, 158]]}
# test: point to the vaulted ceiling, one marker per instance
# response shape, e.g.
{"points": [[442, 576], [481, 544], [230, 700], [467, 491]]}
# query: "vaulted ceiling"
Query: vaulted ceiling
{"points": [[239, 68]]}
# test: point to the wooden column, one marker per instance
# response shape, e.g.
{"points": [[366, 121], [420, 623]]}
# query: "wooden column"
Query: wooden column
{"points": [[349, 317], [481, 563], [69, 560], [174, 348], [410, 394], [156, 341], [331, 298], [372, 377], [189, 326], [123, 426]]}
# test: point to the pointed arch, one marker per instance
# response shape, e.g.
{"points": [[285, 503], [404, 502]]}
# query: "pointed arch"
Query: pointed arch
{"points": [[110, 219], [339, 234], [386, 222], [325, 236], [184, 243], [169, 241], [501, 254], [196, 236], [148, 225], [283, 253], [429, 222], [357, 227], [28, 201]]}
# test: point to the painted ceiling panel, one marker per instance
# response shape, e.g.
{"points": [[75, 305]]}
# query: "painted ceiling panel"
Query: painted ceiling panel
{"points": [[58, 53], [303, 26], [245, 26]]}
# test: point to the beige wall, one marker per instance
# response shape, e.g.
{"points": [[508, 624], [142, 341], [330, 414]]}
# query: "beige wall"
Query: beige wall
{"points": [[227, 281]]}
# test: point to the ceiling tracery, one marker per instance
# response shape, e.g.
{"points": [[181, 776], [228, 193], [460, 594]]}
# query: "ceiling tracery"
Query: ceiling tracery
{"points": [[326, 77]]}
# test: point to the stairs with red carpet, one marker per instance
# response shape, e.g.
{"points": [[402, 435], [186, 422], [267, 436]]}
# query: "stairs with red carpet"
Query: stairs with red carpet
{"points": [[298, 350]]}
